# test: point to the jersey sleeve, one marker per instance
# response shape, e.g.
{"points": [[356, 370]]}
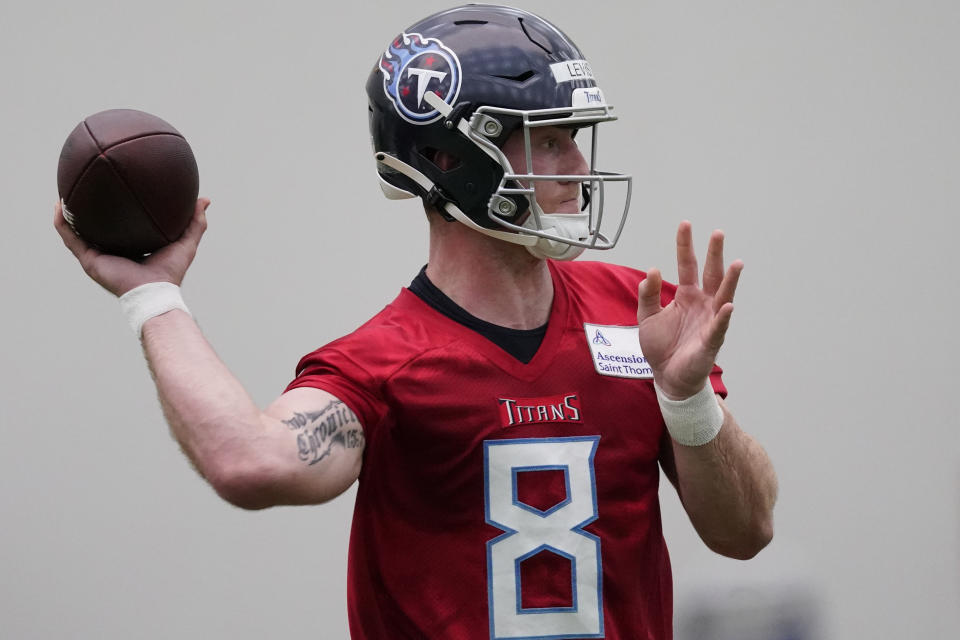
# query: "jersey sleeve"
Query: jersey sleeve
{"points": [[717, 381], [333, 371]]}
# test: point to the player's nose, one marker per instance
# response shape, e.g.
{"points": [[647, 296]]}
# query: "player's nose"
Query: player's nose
{"points": [[574, 163]]}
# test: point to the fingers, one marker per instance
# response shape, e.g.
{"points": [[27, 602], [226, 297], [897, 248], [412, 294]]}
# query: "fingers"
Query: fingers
{"points": [[713, 266], [648, 295], [66, 232], [721, 286], [728, 286], [83, 252], [719, 326], [687, 273]]}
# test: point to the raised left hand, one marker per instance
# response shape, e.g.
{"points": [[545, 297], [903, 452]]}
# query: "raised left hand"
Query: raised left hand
{"points": [[681, 340]]}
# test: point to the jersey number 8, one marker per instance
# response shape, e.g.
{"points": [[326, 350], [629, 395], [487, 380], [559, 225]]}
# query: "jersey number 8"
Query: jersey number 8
{"points": [[528, 531]]}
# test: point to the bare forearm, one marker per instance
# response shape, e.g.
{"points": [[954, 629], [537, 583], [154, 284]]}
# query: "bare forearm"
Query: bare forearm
{"points": [[208, 410], [728, 488], [305, 448]]}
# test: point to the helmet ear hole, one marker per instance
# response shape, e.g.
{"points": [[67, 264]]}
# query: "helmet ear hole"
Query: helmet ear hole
{"points": [[442, 160]]}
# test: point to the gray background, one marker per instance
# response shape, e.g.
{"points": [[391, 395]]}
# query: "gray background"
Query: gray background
{"points": [[822, 136]]}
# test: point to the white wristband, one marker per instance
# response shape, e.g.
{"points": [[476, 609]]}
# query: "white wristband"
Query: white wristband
{"points": [[150, 300], [694, 421]]}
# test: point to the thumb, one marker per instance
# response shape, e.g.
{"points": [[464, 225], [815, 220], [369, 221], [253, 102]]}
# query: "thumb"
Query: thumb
{"points": [[198, 224], [648, 295], [174, 258]]}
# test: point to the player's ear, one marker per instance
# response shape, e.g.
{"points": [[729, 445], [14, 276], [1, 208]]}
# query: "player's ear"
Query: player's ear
{"points": [[441, 159]]}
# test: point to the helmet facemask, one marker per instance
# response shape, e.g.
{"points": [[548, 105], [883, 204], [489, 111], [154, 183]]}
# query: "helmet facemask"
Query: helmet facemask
{"points": [[513, 204], [561, 236]]}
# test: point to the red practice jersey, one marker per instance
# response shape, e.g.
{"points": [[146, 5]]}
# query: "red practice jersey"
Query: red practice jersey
{"points": [[500, 499]]}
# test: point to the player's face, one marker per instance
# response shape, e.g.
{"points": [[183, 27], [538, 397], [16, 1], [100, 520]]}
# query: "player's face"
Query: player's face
{"points": [[553, 151]]}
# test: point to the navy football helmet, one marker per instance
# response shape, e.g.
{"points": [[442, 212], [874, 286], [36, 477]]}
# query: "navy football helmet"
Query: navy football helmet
{"points": [[461, 82]]}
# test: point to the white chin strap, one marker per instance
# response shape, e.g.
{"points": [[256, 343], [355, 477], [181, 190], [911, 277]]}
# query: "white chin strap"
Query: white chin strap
{"points": [[572, 226]]}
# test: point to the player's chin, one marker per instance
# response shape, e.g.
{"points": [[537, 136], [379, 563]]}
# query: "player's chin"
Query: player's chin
{"points": [[568, 206], [560, 205]]}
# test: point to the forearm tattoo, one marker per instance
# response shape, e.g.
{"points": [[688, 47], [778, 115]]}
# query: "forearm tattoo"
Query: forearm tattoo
{"points": [[319, 431]]}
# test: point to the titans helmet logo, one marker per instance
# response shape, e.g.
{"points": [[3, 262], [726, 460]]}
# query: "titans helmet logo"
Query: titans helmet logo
{"points": [[414, 65]]}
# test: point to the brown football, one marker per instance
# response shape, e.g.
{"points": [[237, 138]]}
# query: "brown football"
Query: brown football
{"points": [[128, 181]]}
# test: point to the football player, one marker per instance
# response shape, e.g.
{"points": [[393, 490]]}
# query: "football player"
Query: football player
{"points": [[508, 413]]}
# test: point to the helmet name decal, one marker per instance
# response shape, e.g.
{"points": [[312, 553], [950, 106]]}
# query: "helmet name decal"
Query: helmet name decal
{"points": [[413, 65], [570, 70]]}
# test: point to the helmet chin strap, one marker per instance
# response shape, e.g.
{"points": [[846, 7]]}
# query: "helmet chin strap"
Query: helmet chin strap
{"points": [[427, 185], [572, 226]]}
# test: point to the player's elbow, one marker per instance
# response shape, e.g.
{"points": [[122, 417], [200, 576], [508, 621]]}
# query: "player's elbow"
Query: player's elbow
{"points": [[244, 484], [746, 542]]}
